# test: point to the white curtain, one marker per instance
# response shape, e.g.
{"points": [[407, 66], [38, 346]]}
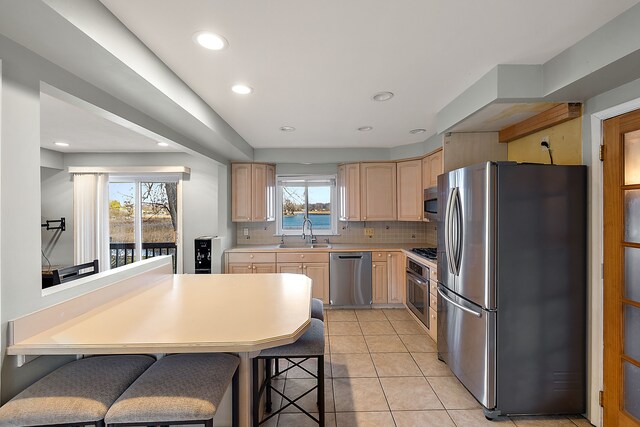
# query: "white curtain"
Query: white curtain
{"points": [[91, 219]]}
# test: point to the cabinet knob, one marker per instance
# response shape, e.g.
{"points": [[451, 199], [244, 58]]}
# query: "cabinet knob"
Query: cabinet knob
{"points": [[389, 255], [302, 256], [251, 256], [374, 266], [419, 217], [254, 267], [249, 267], [364, 217], [300, 267], [379, 254]]}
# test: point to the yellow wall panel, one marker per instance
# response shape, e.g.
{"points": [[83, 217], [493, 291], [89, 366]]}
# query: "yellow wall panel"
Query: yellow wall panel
{"points": [[565, 140]]}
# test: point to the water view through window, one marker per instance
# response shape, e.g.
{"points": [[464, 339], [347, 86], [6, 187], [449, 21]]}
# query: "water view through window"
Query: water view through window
{"points": [[313, 201]]}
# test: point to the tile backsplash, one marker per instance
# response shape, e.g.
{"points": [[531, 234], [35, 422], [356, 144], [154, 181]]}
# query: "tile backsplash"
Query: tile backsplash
{"points": [[421, 233]]}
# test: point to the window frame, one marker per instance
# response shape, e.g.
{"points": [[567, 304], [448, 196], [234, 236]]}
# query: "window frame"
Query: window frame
{"points": [[138, 179], [334, 205]]}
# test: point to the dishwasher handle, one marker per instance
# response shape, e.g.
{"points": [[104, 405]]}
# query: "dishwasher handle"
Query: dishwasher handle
{"points": [[350, 256]]}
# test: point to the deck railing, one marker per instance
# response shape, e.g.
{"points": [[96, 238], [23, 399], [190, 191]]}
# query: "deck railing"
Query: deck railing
{"points": [[125, 253]]}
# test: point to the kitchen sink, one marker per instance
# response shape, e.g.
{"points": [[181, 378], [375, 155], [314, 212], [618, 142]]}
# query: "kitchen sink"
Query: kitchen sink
{"points": [[304, 246]]}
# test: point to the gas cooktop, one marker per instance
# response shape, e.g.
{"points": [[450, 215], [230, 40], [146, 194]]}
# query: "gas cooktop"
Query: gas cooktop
{"points": [[428, 253]]}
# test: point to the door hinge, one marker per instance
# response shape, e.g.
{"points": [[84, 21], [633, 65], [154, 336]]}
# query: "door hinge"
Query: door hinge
{"points": [[601, 398], [602, 152]]}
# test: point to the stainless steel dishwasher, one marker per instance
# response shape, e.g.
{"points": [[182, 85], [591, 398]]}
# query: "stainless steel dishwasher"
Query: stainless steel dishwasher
{"points": [[350, 278]]}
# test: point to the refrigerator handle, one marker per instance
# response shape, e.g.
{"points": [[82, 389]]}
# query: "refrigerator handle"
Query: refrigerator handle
{"points": [[447, 231], [459, 232], [461, 307]]}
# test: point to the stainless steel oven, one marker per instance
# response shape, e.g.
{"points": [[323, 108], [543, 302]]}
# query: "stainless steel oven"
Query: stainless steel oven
{"points": [[418, 290]]}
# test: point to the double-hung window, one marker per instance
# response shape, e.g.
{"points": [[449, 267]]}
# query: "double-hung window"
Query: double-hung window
{"points": [[311, 197]]}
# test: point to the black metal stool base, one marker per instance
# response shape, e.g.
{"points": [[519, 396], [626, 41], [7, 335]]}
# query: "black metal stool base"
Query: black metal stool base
{"points": [[259, 389]]}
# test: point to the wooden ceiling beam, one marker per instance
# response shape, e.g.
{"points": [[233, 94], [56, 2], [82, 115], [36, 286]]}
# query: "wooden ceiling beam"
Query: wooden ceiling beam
{"points": [[551, 117]]}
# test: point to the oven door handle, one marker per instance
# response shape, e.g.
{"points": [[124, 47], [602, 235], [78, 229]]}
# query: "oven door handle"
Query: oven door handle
{"points": [[415, 278], [461, 307]]}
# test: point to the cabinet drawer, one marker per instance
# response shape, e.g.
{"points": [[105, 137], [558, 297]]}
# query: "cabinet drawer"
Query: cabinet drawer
{"points": [[379, 256], [433, 303], [303, 257], [433, 325], [251, 257], [433, 287]]}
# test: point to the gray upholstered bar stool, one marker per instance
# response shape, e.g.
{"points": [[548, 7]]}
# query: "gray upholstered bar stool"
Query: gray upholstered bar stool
{"points": [[78, 393], [317, 312], [178, 389], [317, 309], [309, 346]]}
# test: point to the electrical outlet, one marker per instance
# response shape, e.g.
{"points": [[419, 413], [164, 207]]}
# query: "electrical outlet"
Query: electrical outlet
{"points": [[245, 231], [368, 232], [545, 139]]}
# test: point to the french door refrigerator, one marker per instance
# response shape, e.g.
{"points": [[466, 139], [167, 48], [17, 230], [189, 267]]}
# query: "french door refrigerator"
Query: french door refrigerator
{"points": [[512, 285]]}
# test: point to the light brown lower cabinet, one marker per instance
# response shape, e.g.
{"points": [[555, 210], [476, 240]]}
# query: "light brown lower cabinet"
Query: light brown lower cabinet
{"points": [[245, 262], [318, 272], [433, 310], [243, 268], [387, 278]]}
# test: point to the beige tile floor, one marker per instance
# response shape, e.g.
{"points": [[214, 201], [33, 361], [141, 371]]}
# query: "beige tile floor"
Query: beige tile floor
{"points": [[382, 370]]}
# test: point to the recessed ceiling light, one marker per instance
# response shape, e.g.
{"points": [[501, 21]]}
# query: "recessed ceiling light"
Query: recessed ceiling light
{"points": [[163, 144], [242, 89], [61, 144], [383, 96], [419, 130], [287, 128], [365, 128], [210, 41]]}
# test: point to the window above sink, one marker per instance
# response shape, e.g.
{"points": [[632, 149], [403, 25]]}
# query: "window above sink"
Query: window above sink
{"points": [[310, 196]]}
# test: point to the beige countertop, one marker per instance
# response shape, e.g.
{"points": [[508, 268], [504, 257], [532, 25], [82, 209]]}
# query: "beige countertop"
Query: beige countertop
{"points": [[186, 313], [335, 247]]}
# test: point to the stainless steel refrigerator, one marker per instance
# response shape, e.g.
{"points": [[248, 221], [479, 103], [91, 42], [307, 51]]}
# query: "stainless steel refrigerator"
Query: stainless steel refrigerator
{"points": [[512, 285]]}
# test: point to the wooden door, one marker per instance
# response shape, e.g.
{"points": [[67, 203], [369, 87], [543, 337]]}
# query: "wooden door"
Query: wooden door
{"points": [[410, 191], [241, 192], [379, 283], [263, 267], [290, 267], [621, 197], [259, 192], [352, 178], [378, 187], [396, 278], [239, 268], [318, 272]]}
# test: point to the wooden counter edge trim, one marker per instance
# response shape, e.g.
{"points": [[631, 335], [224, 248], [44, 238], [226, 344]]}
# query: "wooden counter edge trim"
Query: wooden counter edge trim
{"points": [[551, 117], [39, 321], [116, 348]]}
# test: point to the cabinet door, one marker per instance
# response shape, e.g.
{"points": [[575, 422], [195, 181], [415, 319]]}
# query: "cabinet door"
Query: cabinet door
{"points": [[290, 267], [379, 282], [241, 192], [319, 274], [259, 192], [239, 268], [378, 191], [352, 177], [435, 168], [271, 193], [396, 278], [410, 191], [264, 268], [341, 185], [433, 324]]}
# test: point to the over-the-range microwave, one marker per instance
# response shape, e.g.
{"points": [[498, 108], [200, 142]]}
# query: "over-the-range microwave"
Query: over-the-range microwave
{"points": [[431, 204]]}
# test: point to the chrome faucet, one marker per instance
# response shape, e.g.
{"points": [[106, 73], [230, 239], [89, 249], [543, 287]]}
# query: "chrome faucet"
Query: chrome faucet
{"points": [[311, 236]]}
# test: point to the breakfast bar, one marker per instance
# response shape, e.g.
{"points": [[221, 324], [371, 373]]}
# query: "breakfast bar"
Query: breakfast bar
{"points": [[161, 313]]}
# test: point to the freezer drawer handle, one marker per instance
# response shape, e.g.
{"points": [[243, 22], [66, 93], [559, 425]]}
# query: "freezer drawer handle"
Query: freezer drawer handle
{"points": [[350, 256], [461, 307]]}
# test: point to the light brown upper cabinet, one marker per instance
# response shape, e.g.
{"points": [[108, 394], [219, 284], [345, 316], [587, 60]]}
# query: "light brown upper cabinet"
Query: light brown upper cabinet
{"points": [[410, 191], [349, 191], [378, 191], [467, 148], [431, 168], [252, 192]]}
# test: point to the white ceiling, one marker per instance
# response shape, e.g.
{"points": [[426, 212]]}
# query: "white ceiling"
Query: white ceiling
{"points": [[86, 132], [315, 65]]}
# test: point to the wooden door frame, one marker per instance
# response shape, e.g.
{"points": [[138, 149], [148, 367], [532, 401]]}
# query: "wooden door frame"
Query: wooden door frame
{"points": [[595, 356]]}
